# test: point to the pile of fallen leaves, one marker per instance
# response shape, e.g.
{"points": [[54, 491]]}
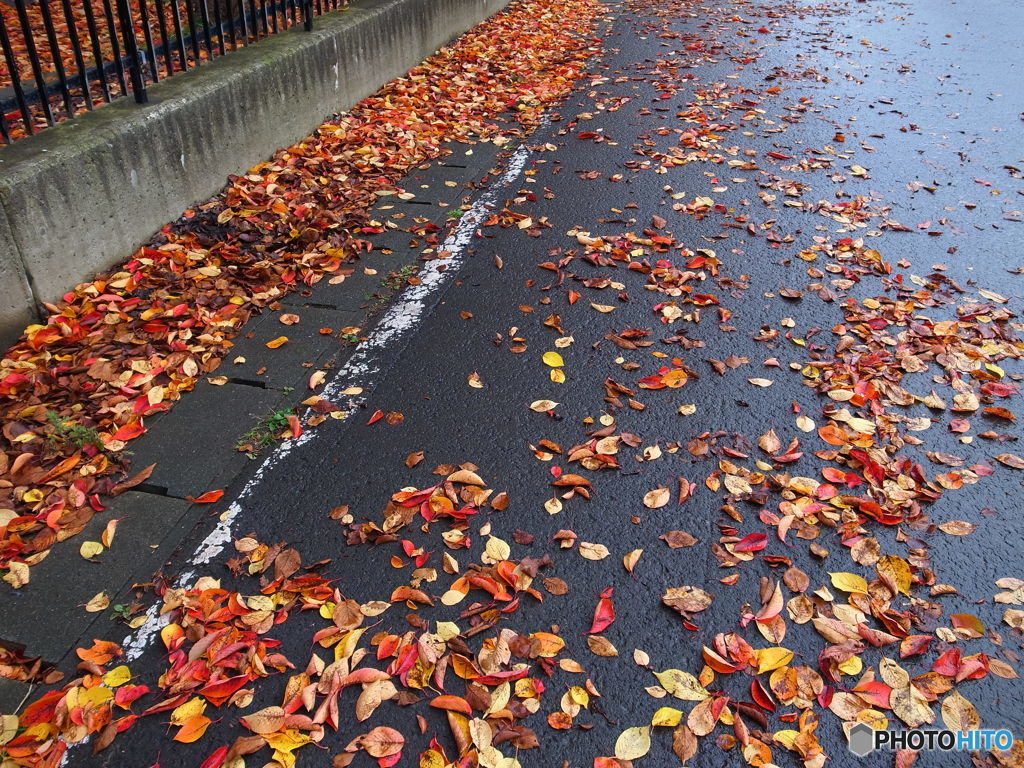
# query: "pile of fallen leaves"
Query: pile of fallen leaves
{"points": [[75, 390], [219, 647]]}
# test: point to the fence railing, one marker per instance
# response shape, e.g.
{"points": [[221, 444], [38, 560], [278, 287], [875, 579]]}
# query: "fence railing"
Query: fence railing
{"points": [[64, 57]]}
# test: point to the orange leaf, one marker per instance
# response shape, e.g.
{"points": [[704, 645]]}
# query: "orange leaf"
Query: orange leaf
{"points": [[64, 466], [832, 435], [209, 497], [452, 704], [193, 729], [129, 431]]}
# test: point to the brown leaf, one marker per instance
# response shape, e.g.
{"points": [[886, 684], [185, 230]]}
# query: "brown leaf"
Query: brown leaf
{"points": [[686, 600], [769, 442], [1010, 460], [684, 743], [601, 646], [556, 586], [140, 477], [678, 539]]}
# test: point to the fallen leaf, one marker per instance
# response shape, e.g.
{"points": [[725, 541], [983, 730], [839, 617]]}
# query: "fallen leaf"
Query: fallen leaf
{"points": [[633, 743]]}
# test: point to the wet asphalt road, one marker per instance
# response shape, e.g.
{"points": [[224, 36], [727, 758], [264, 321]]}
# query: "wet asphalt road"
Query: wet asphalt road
{"points": [[928, 91]]}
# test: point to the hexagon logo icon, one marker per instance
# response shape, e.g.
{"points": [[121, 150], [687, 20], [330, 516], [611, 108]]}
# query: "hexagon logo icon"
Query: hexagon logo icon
{"points": [[862, 740]]}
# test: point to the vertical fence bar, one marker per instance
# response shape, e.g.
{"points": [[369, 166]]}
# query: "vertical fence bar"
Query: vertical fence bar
{"points": [[182, 52], [58, 60], [115, 45], [307, 15], [265, 17], [76, 44], [244, 22], [219, 24], [165, 43], [190, 16], [254, 15], [229, 22], [147, 35], [37, 72], [273, 13], [97, 50], [131, 46], [206, 27], [12, 67]]}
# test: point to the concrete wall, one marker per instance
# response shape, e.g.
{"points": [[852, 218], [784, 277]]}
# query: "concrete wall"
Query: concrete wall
{"points": [[78, 198]]}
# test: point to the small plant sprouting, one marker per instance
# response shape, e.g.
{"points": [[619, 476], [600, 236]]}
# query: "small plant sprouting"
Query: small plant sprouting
{"points": [[68, 432], [264, 434], [123, 612]]}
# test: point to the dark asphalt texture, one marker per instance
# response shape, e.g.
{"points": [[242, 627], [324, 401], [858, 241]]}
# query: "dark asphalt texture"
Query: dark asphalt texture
{"points": [[928, 91]]}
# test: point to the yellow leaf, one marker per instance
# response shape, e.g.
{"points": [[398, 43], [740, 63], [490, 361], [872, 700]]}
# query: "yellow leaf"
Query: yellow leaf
{"points": [[117, 676], [657, 498], [98, 603], [557, 375], [849, 582], [852, 666], [769, 659], [667, 716], [633, 743], [452, 597], [959, 714], [681, 685], [629, 561], [787, 738], [90, 549], [540, 406], [185, 712], [497, 549], [278, 342], [602, 307], [897, 569], [593, 551], [553, 359], [8, 728]]}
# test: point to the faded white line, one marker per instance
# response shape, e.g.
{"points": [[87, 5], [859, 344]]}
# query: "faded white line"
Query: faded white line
{"points": [[403, 317]]}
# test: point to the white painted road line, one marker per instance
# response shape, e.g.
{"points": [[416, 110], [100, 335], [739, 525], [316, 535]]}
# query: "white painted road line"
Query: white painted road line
{"points": [[367, 362]]}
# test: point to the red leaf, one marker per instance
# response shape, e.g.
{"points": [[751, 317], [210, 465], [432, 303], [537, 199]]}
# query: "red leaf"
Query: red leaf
{"points": [[216, 760], [752, 542], [604, 615]]}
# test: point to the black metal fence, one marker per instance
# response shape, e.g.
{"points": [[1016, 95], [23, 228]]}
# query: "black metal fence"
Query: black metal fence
{"points": [[64, 57]]}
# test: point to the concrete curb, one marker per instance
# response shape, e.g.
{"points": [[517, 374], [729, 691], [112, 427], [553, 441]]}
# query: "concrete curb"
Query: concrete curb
{"points": [[78, 198]]}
